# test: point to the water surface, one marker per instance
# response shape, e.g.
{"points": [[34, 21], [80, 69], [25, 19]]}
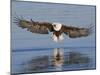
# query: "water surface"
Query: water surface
{"points": [[33, 61]]}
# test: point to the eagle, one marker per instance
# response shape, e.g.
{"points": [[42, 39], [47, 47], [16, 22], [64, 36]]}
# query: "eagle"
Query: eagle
{"points": [[57, 29]]}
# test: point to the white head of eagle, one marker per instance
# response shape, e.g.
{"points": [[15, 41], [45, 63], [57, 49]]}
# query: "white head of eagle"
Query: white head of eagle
{"points": [[57, 26]]}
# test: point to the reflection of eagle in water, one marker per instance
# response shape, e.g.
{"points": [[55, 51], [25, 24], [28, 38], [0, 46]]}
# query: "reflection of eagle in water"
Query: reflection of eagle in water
{"points": [[56, 28], [57, 58]]}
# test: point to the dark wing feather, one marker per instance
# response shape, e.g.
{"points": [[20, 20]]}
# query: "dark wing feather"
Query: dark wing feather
{"points": [[75, 32], [35, 27]]}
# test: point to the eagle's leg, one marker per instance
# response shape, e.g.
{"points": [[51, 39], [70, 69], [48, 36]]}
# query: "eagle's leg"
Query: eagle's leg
{"points": [[60, 37], [57, 38], [54, 38]]}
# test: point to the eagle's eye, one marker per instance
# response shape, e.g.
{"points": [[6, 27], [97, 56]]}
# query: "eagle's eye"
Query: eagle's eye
{"points": [[54, 25]]}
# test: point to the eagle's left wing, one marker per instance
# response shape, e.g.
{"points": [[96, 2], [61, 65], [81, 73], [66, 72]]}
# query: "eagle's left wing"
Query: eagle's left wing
{"points": [[75, 32]]}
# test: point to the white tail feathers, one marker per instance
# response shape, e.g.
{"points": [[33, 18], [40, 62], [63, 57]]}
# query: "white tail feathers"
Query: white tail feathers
{"points": [[57, 39]]}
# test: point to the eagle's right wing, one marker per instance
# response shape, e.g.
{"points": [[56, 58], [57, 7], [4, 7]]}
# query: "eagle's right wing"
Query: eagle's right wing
{"points": [[34, 27]]}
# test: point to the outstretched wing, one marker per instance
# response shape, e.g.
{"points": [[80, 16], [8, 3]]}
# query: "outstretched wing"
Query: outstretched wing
{"points": [[34, 27], [75, 32]]}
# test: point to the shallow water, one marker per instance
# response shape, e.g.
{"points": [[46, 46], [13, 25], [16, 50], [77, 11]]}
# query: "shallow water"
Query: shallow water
{"points": [[32, 61]]}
